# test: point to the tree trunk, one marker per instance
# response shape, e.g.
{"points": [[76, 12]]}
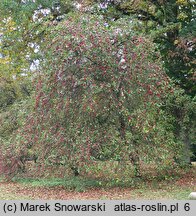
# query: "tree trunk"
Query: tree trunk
{"points": [[186, 141], [135, 160]]}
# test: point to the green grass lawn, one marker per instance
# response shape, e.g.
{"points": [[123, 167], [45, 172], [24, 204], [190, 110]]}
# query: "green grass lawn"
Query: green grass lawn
{"points": [[79, 189]]}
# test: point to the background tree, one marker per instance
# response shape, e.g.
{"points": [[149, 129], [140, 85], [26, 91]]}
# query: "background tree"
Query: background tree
{"points": [[14, 80]]}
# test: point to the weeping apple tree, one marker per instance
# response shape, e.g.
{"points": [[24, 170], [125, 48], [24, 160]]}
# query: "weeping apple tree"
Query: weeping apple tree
{"points": [[99, 98]]}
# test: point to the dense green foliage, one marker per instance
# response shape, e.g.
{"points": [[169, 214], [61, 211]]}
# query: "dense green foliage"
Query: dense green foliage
{"points": [[172, 26], [91, 87]]}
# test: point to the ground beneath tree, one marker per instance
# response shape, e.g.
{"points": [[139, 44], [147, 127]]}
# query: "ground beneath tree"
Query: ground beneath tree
{"points": [[179, 189]]}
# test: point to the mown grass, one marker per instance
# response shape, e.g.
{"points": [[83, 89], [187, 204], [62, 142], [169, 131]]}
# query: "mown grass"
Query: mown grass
{"points": [[69, 183]]}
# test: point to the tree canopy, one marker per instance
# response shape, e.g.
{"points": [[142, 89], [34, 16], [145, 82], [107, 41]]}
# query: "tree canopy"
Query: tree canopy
{"points": [[88, 81]]}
